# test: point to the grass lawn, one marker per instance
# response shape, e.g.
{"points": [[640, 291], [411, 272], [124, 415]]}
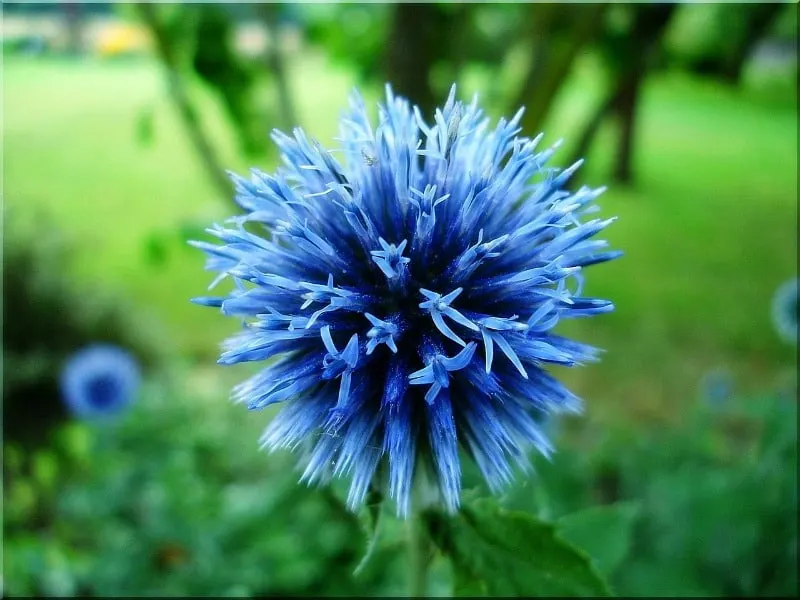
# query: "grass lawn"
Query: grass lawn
{"points": [[709, 229]]}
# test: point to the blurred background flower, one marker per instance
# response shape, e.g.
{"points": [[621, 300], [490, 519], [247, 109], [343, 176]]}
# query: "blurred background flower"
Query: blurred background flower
{"points": [[99, 381], [118, 123], [784, 310], [717, 386]]}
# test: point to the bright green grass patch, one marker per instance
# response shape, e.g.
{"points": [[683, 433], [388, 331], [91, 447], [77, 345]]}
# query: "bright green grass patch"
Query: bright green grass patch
{"points": [[72, 150], [709, 229]]}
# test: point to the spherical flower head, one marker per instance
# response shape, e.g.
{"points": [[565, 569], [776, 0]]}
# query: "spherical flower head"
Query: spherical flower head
{"points": [[408, 284], [99, 381], [784, 311]]}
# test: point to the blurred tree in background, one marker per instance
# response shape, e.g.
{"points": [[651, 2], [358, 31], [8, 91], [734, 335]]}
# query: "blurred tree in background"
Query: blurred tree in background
{"points": [[74, 22], [416, 44], [216, 61], [170, 28], [730, 33], [421, 48], [200, 39], [629, 45], [352, 34], [557, 33]]}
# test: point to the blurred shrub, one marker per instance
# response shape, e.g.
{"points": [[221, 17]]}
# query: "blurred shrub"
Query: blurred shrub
{"points": [[174, 500], [46, 317], [717, 492], [30, 45]]}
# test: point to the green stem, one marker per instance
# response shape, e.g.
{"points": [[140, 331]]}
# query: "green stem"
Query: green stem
{"points": [[419, 556]]}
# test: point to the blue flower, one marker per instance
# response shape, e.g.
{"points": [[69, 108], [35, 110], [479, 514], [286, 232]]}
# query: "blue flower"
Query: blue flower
{"points": [[784, 311], [401, 295], [99, 380], [717, 387]]}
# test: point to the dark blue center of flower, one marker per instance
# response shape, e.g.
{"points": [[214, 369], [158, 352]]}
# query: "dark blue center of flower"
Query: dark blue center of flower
{"points": [[102, 391]]}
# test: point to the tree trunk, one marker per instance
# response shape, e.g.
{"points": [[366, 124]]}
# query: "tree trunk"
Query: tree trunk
{"points": [[458, 50], [418, 39], [276, 64], [758, 19], [180, 96], [626, 104], [593, 126], [647, 30], [554, 54]]}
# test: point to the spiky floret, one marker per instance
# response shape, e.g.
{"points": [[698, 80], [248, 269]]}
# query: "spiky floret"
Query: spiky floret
{"points": [[387, 283]]}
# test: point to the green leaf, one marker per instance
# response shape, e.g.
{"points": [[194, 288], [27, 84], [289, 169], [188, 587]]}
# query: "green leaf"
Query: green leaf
{"points": [[498, 552], [371, 523], [603, 532]]}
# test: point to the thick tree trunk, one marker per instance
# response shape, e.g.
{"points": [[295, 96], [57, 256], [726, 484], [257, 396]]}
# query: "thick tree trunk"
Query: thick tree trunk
{"points": [[418, 39], [648, 28]]}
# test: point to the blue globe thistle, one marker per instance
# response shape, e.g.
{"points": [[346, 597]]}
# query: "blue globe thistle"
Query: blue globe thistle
{"points": [[99, 381], [784, 311], [408, 293]]}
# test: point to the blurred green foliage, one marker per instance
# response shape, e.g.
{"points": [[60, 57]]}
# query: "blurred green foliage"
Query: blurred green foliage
{"points": [[351, 33], [359, 37], [175, 499], [665, 494], [166, 502], [47, 317], [715, 499], [716, 39], [496, 552]]}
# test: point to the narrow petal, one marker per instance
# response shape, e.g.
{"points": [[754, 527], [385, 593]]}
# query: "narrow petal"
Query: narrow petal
{"points": [[444, 447], [325, 333], [488, 347], [509, 352], [445, 329], [460, 360]]}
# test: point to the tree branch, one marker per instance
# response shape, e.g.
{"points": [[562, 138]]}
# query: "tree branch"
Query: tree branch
{"points": [[275, 62], [180, 96]]}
